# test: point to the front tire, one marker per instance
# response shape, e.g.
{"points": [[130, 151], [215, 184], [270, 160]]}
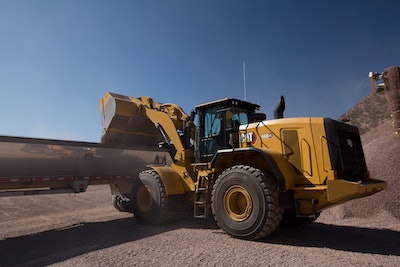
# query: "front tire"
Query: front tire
{"points": [[150, 201], [245, 203]]}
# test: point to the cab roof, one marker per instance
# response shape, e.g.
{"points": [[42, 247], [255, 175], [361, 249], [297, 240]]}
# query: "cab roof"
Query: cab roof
{"points": [[229, 102]]}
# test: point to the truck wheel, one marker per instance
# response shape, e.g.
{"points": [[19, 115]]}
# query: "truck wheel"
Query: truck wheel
{"points": [[120, 204], [245, 203], [149, 198]]}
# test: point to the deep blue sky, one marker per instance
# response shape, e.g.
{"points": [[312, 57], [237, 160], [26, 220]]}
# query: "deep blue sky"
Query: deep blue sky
{"points": [[58, 57]]}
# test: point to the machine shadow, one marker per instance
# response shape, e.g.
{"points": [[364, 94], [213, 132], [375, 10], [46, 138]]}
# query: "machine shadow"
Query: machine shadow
{"points": [[54, 246], [57, 245], [345, 238]]}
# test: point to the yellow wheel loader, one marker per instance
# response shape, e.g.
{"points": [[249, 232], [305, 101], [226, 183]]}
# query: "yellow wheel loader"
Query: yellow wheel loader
{"points": [[229, 161]]}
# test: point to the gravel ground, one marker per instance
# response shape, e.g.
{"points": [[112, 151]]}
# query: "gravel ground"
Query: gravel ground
{"points": [[85, 230]]}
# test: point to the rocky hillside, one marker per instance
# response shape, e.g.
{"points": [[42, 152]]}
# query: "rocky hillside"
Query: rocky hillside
{"points": [[370, 112]]}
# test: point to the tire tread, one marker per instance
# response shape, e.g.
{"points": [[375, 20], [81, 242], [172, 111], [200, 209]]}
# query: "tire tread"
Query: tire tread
{"points": [[271, 191]]}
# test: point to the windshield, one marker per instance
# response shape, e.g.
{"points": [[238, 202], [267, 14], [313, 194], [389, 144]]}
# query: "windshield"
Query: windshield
{"points": [[216, 129]]}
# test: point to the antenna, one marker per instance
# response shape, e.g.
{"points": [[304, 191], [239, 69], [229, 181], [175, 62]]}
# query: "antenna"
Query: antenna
{"points": [[244, 79]]}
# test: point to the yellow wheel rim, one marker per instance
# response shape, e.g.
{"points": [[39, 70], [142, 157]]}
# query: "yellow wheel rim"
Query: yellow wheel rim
{"points": [[144, 199], [237, 203]]}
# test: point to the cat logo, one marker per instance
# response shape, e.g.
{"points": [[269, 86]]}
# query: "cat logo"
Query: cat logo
{"points": [[248, 138]]}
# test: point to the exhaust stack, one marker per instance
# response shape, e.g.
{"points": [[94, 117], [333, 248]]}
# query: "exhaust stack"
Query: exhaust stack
{"points": [[280, 108]]}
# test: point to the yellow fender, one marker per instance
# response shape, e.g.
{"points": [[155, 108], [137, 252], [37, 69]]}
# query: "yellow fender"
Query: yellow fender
{"points": [[172, 181]]}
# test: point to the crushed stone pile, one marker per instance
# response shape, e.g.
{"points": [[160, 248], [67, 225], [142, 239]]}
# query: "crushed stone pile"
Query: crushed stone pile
{"points": [[383, 160]]}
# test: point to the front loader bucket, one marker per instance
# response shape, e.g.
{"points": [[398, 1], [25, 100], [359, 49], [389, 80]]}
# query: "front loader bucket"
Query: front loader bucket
{"points": [[125, 123]]}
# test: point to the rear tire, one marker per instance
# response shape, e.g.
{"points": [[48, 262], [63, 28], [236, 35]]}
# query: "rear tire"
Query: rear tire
{"points": [[245, 203], [149, 202], [120, 204]]}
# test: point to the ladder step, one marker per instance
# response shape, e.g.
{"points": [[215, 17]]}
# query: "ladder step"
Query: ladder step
{"points": [[200, 208]]}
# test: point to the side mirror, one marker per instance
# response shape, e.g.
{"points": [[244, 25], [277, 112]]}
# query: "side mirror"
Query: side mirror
{"points": [[259, 117]]}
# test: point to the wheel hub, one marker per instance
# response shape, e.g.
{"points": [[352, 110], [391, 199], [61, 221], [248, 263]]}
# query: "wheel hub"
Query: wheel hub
{"points": [[144, 199], [237, 203]]}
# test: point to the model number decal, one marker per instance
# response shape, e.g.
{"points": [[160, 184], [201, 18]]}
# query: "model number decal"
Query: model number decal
{"points": [[266, 136]]}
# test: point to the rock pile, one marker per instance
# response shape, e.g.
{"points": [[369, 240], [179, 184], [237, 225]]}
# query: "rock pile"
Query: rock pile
{"points": [[383, 161]]}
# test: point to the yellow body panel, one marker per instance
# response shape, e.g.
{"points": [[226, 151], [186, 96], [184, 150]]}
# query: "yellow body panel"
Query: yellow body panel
{"points": [[284, 167], [301, 152], [303, 143]]}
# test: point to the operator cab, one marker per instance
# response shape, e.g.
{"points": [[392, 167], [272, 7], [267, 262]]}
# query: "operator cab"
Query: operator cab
{"points": [[217, 125]]}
